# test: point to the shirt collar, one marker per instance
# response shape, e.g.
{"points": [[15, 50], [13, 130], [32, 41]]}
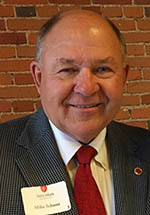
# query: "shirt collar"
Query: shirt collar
{"points": [[99, 144], [68, 146]]}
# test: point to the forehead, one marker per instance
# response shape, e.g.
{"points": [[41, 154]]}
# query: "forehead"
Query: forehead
{"points": [[81, 34], [73, 54]]}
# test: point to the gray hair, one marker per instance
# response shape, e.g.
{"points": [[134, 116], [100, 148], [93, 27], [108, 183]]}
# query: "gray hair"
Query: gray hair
{"points": [[120, 38], [46, 28]]}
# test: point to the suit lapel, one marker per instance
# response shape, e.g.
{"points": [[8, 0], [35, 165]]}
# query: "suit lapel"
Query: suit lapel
{"points": [[41, 164], [130, 189]]}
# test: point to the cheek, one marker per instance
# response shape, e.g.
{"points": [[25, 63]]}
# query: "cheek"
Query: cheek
{"points": [[113, 89], [47, 91], [55, 90]]}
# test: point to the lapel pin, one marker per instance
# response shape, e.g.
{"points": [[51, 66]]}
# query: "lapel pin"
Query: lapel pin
{"points": [[138, 171]]}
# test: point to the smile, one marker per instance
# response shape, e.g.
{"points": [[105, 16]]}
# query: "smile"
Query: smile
{"points": [[85, 106]]}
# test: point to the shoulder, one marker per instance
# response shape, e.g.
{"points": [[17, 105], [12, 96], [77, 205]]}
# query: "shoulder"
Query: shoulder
{"points": [[139, 136], [26, 127], [131, 131], [17, 125], [13, 126], [11, 130]]}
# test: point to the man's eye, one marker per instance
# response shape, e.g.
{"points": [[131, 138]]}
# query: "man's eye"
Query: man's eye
{"points": [[68, 70], [67, 73], [104, 72], [104, 69]]}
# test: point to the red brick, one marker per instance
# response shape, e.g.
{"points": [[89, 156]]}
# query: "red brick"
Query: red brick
{"points": [[23, 106], [47, 11], [146, 99], [25, 2], [125, 89], [7, 52], [38, 104], [63, 8], [6, 117], [70, 1], [125, 24], [141, 124], [135, 37], [142, 2], [133, 12], [139, 87], [139, 61], [134, 75], [135, 49], [6, 11], [12, 38], [96, 9], [148, 50], [130, 100], [143, 24], [5, 106], [28, 11], [146, 74], [25, 24], [6, 79], [112, 11], [23, 79], [2, 26], [122, 114], [32, 38], [26, 51], [18, 92], [15, 65], [147, 11], [112, 2], [140, 113]]}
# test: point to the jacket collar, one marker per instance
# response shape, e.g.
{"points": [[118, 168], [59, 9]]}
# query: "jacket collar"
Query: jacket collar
{"points": [[130, 189], [41, 164]]}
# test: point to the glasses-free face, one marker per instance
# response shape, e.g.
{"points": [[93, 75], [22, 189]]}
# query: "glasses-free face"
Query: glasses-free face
{"points": [[81, 77]]}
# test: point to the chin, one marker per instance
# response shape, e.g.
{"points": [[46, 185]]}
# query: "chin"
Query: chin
{"points": [[85, 134]]}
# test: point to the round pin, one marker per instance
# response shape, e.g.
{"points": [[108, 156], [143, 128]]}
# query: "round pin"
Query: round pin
{"points": [[43, 188], [138, 171]]}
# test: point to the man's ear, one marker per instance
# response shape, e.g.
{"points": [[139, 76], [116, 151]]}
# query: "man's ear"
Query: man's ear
{"points": [[36, 74], [126, 72]]}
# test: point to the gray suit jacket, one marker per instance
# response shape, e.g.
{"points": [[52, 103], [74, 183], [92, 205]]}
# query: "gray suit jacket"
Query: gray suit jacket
{"points": [[30, 157]]}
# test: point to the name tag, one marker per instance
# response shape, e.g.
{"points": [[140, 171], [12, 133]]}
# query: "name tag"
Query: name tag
{"points": [[44, 200]]}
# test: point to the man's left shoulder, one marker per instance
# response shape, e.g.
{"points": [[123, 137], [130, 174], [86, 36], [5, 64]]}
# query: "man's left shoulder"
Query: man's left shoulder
{"points": [[138, 135], [132, 131]]}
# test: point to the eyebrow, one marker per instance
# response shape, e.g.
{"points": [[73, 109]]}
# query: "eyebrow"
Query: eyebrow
{"points": [[105, 60], [97, 61], [66, 61]]}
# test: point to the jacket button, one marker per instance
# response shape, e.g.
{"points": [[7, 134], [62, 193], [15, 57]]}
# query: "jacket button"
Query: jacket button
{"points": [[138, 171]]}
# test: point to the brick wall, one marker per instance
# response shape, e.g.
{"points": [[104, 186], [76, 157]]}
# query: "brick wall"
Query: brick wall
{"points": [[21, 19]]}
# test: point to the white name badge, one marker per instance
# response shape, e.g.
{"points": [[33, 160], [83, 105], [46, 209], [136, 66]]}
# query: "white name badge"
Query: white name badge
{"points": [[44, 200]]}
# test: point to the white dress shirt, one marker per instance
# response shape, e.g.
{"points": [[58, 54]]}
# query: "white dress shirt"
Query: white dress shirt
{"points": [[100, 165]]}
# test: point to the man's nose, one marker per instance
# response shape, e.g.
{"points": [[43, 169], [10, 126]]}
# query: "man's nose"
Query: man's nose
{"points": [[86, 83]]}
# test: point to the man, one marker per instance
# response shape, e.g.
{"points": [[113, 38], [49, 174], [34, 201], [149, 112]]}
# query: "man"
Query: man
{"points": [[80, 74]]}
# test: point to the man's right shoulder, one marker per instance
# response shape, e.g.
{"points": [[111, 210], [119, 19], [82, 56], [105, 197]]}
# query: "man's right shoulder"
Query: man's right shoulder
{"points": [[14, 123], [12, 129]]}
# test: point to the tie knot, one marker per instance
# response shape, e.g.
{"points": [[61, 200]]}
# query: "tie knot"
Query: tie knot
{"points": [[85, 154]]}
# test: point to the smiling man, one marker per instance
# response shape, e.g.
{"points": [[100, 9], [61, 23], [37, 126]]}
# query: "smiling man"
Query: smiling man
{"points": [[80, 73], [80, 76]]}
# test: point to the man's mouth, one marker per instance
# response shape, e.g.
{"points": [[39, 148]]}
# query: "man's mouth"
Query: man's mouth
{"points": [[85, 106]]}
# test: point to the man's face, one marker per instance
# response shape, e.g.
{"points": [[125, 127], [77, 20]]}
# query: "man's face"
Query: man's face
{"points": [[80, 78]]}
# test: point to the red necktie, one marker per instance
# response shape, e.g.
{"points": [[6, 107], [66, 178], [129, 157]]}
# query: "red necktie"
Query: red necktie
{"points": [[86, 193]]}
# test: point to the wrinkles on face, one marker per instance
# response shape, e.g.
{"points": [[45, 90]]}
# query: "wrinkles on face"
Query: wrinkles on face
{"points": [[82, 78], [81, 56]]}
